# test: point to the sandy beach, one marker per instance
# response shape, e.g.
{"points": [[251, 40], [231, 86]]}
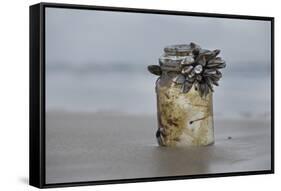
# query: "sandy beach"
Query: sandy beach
{"points": [[100, 146]]}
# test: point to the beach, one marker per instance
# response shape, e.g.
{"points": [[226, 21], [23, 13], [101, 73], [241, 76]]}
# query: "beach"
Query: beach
{"points": [[91, 146]]}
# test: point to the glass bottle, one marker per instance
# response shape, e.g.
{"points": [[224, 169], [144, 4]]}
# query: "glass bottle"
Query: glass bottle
{"points": [[184, 118]]}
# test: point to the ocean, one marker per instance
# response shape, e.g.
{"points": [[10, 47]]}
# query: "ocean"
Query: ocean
{"points": [[119, 87]]}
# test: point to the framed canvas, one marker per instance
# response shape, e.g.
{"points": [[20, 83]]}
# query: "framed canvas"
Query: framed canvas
{"points": [[123, 95]]}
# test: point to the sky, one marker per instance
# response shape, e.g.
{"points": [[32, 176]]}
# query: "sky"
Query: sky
{"points": [[82, 36]]}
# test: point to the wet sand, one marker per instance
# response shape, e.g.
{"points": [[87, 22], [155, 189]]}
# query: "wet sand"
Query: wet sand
{"points": [[89, 147]]}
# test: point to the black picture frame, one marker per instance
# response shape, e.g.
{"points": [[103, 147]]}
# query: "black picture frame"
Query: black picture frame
{"points": [[37, 94]]}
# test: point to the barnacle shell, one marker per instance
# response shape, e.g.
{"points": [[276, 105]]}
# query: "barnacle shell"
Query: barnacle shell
{"points": [[186, 87], [155, 69], [186, 69], [216, 62], [209, 83], [211, 71], [179, 79], [199, 77]]}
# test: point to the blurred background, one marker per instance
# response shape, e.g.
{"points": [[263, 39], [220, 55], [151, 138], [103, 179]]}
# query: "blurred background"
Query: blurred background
{"points": [[97, 61]]}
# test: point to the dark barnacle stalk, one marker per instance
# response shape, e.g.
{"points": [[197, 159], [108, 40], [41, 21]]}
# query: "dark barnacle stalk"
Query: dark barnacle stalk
{"points": [[155, 69]]}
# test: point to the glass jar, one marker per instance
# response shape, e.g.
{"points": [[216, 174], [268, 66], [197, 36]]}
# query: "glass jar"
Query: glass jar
{"points": [[183, 118], [185, 115]]}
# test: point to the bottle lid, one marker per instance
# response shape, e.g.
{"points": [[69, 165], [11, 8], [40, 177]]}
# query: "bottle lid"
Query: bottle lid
{"points": [[180, 49], [174, 55]]}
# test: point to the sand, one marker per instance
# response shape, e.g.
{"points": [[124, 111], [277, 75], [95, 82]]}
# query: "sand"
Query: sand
{"points": [[91, 146]]}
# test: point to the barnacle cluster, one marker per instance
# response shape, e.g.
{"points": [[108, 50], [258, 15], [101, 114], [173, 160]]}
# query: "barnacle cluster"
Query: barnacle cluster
{"points": [[198, 67]]}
